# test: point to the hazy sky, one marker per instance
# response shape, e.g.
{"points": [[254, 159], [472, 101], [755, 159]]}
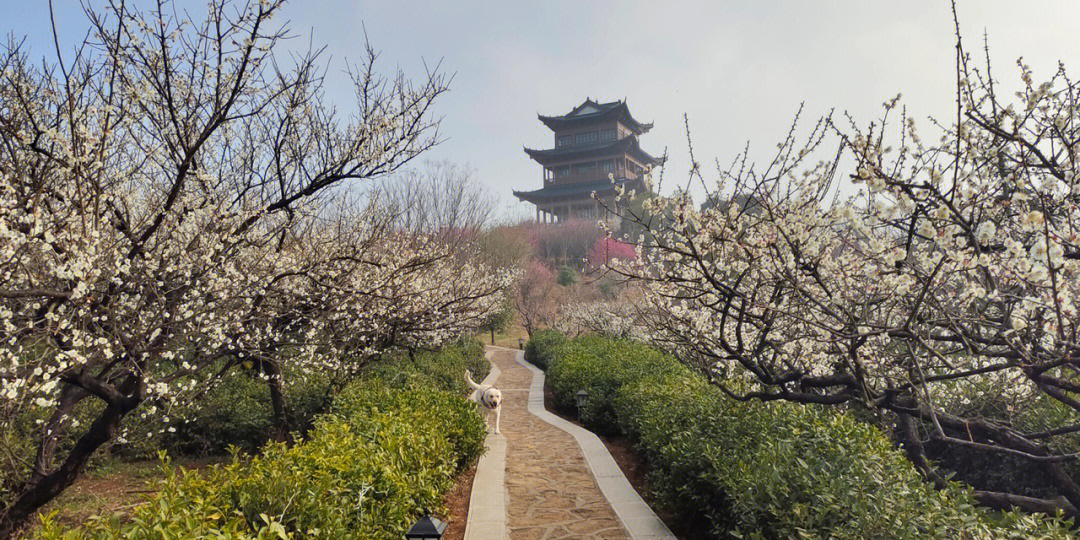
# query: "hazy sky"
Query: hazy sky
{"points": [[739, 70]]}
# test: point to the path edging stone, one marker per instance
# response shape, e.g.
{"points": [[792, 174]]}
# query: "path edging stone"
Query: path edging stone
{"points": [[487, 503]]}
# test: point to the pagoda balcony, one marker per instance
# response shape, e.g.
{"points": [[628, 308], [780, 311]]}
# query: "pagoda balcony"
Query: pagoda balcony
{"points": [[589, 177]]}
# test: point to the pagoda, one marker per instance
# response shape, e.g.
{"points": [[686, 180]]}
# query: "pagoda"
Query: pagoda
{"points": [[596, 149]]}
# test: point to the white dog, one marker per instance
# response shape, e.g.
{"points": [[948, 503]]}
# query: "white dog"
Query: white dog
{"points": [[488, 396]]}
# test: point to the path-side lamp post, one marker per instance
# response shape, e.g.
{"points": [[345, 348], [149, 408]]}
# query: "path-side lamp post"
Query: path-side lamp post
{"points": [[521, 343], [582, 398], [428, 528]]}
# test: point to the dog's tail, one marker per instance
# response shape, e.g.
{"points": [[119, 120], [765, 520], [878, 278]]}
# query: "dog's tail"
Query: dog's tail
{"points": [[468, 379]]}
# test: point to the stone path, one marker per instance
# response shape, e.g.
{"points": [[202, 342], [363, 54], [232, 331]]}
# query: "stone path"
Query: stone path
{"points": [[549, 485], [637, 518]]}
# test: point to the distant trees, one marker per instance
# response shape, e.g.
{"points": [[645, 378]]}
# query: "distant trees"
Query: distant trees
{"points": [[537, 297], [567, 276], [943, 298], [440, 197], [567, 243], [509, 245], [556, 260], [165, 216]]}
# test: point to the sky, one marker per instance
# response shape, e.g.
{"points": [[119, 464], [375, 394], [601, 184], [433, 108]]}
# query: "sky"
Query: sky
{"points": [[738, 70]]}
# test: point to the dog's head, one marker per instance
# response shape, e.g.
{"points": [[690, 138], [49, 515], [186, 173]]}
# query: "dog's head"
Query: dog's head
{"points": [[493, 397]]}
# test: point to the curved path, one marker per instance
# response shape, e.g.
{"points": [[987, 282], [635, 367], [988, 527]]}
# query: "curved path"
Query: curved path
{"points": [[545, 478]]}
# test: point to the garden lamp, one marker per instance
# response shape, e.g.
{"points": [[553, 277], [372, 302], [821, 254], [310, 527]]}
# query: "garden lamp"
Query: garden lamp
{"points": [[521, 343], [428, 528], [582, 399]]}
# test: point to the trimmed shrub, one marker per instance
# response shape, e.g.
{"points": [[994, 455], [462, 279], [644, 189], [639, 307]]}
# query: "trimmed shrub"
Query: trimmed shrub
{"points": [[382, 455], [237, 411], [452, 416], [542, 345], [766, 470]]}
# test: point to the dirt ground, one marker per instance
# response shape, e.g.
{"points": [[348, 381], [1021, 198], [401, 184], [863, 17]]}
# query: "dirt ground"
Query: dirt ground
{"points": [[114, 488], [457, 505]]}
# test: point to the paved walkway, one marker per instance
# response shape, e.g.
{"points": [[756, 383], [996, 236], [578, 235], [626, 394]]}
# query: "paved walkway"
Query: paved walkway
{"points": [[548, 483]]}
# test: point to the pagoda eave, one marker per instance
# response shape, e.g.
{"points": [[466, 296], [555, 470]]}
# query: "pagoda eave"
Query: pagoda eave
{"points": [[556, 123], [552, 156], [626, 145], [557, 193]]}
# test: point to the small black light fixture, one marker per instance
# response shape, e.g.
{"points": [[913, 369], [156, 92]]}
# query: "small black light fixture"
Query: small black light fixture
{"points": [[521, 343], [428, 528], [582, 398]]}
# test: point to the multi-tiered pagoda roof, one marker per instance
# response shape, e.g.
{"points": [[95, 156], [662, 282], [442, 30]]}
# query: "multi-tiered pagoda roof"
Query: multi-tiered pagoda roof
{"points": [[596, 149]]}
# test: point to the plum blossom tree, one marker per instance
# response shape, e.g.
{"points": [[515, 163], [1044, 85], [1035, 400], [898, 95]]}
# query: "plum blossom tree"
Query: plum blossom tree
{"points": [[952, 276], [368, 285], [164, 217]]}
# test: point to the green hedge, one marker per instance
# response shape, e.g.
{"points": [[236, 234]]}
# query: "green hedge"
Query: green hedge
{"points": [[443, 369], [384, 454], [542, 345], [765, 470]]}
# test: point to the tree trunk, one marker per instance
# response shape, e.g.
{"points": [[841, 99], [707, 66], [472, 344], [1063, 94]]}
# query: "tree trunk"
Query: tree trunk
{"points": [[908, 434], [281, 430], [1006, 502], [36, 494], [69, 397], [1063, 481]]}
